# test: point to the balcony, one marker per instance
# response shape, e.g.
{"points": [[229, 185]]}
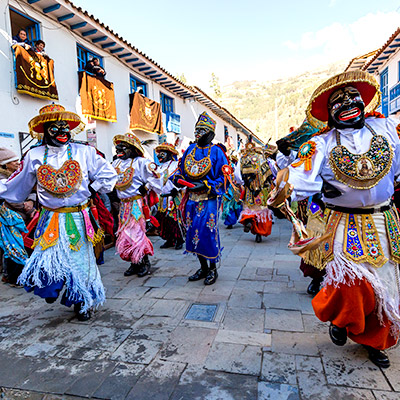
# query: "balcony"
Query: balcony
{"points": [[394, 104]]}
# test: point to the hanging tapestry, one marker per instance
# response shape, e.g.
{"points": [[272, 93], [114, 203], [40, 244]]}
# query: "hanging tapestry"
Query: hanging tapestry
{"points": [[145, 115], [34, 74], [97, 97]]}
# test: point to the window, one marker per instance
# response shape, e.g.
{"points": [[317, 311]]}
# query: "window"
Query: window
{"points": [[84, 55], [21, 21], [138, 86], [167, 103]]}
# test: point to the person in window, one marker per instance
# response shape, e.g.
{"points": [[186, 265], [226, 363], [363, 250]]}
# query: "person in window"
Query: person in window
{"points": [[39, 47], [93, 66], [21, 39]]}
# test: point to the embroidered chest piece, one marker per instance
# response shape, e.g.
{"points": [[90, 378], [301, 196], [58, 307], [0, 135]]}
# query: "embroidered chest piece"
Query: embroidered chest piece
{"points": [[63, 182], [362, 171], [124, 178], [197, 169]]}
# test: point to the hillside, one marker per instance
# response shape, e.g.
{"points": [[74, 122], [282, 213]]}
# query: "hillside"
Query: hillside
{"points": [[265, 106]]}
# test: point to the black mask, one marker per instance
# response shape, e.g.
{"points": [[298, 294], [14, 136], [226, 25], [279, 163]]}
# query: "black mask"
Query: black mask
{"points": [[164, 156], [125, 151], [203, 136], [56, 133], [346, 109]]}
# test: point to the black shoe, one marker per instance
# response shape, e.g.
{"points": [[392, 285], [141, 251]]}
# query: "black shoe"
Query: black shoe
{"points": [[199, 274], [85, 316], [378, 357], [258, 238], [229, 227], [338, 335], [314, 287], [178, 246], [167, 245], [144, 267], [247, 227], [50, 300], [211, 277], [132, 270]]}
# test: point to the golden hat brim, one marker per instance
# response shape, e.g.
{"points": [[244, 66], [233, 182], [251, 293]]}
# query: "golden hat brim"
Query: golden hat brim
{"points": [[162, 147], [126, 139], [36, 124], [317, 110]]}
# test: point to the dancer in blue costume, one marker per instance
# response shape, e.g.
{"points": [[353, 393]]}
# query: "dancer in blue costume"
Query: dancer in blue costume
{"points": [[232, 206], [67, 230], [203, 164]]}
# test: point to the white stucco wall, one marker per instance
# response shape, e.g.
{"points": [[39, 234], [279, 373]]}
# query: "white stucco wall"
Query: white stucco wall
{"points": [[17, 109]]}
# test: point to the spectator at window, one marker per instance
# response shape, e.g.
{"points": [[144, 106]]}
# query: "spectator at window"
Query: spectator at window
{"points": [[21, 39], [39, 47], [93, 66]]}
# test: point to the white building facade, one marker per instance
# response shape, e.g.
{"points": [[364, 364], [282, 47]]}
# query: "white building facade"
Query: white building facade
{"points": [[72, 36], [384, 64]]}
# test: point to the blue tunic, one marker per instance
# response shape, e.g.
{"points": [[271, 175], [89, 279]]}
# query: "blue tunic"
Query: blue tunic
{"points": [[202, 209]]}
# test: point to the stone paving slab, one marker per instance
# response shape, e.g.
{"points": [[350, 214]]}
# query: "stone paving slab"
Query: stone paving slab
{"points": [[264, 342]]}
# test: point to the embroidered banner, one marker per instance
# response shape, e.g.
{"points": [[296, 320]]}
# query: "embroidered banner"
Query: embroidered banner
{"points": [[34, 74], [145, 115], [97, 97]]}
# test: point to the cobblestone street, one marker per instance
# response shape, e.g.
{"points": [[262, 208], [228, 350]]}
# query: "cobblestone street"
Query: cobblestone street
{"points": [[263, 340]]}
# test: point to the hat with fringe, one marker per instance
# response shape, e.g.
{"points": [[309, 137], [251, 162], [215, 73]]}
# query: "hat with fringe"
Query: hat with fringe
{"points": [[51, 113], [317, 110], [167, 147], [205, 121], [130, 139]]}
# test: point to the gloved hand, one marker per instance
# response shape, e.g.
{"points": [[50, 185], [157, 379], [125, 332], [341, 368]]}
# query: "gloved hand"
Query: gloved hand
{"points": [[283, 147], [143, 190], [198, 188]]}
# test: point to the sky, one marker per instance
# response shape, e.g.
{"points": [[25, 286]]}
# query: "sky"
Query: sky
{"points": [[248, 40]]}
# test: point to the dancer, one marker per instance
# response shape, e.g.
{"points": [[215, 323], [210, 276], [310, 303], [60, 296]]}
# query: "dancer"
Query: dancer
{"points": [[231, 203], [310, 210], [202, 166], [67, 230], [168, 215], [254, 172], [136, 176], [360, 294]]}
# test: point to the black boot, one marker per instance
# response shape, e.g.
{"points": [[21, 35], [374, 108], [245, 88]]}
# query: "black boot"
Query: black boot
{"points": [[202, 272], [179, 245], [258, 238], [50, 300], [247, 227], [81, 316], [338, 335], [144, 266], [132, 270], [167, 245], [315, 286], [229, 227], [378, 357], [212, 275]]}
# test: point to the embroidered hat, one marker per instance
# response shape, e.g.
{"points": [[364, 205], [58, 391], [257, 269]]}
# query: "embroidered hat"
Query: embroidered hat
{"points": [[7, 156], [206, 121], [51, 113], [317, 110], [167, 147], [131, 139]]}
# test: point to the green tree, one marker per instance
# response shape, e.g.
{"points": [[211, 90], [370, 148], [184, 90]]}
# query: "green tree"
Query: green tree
{"points": [[214, 85]]}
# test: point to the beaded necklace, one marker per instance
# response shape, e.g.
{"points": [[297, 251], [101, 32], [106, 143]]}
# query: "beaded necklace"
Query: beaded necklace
{"points": [[362, 171], [125, 178], [62, 182], [197, 169]]}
